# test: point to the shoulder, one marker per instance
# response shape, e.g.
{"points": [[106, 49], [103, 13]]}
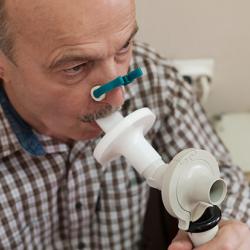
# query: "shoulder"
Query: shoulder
{"points": [[144, 52], [160, 73]]}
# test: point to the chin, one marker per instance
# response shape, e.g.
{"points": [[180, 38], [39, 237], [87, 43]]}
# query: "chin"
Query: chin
{"points": [[91, 134], [78, 134]]}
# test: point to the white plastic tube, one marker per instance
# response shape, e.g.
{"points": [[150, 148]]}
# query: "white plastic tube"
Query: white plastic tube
{"points": [[199, 239]]}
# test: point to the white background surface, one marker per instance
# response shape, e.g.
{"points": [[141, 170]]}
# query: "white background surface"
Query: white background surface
{"points": [[204, 29]]}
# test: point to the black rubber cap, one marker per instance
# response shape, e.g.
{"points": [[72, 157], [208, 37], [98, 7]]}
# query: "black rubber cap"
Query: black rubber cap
{"points": [[208, 220]]}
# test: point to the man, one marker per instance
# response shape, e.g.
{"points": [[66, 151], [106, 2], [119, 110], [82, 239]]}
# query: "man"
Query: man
{"points": [[54, 195]]}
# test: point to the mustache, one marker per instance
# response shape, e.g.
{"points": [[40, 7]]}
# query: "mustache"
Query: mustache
{"points": [[101, 113]]}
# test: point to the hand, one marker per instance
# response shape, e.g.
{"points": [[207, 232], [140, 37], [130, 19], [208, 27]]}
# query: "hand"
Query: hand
{"points": [[232, 235]]}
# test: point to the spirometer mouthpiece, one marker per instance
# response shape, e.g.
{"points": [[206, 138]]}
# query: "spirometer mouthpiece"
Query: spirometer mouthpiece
{"points": [[125, 137]]}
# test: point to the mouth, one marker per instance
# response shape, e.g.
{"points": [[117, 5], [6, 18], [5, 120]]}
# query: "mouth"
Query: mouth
{"points": [[95, 125], [102, 113]]}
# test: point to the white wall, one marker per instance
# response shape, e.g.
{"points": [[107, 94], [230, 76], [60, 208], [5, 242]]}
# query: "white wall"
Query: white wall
{"points": [[195, 29]]}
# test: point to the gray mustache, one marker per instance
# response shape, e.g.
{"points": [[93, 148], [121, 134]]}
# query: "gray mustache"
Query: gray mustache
{"points": [[103, 112]]}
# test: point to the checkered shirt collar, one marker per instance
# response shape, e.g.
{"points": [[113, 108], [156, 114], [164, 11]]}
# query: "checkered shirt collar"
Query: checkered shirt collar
{"points": [[17, 135]]}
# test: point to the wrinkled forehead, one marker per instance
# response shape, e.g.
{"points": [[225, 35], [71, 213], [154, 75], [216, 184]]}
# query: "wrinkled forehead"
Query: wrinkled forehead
{"points": [[59, 19]]}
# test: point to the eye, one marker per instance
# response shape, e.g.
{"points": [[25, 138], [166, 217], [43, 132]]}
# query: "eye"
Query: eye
{"points": [[76, 69], [126, 48]]}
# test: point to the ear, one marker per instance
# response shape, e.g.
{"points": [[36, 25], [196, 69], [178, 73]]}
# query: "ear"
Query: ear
{"points": [[1, 72], [3, 65]]}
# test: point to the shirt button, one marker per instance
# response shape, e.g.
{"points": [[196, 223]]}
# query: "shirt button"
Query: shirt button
{"points": [[81, 245], [78, 205]]}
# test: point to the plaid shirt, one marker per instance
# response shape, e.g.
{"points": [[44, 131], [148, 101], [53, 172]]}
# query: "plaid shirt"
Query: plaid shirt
{"points": [[56, 196]]}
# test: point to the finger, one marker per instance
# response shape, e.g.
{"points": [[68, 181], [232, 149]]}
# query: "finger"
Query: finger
{"points": [[244, 246], [220, 241], [245, 242], [230, 236], [181, 242]]}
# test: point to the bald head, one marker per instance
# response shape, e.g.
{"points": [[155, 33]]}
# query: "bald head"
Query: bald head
{"points": [[59, 20]]}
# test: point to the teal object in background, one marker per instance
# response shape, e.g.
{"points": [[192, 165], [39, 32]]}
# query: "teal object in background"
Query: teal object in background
{"points": [[118, 82]]}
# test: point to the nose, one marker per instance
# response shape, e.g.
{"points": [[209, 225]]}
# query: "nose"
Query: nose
{"points": [[115, 97], [110, 70]]}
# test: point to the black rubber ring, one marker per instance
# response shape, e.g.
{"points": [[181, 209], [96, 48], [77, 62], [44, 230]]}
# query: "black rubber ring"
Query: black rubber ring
{"points": [[208, 220]]}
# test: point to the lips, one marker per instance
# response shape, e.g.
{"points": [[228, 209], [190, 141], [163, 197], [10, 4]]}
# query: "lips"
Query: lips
{"points": [[95, 126]]}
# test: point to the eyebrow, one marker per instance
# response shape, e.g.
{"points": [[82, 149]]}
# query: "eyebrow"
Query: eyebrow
{"points": [[136, 29], [78, 58]]}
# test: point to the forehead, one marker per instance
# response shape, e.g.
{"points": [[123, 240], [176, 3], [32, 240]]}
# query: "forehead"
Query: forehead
{"points": [[62, 20]]}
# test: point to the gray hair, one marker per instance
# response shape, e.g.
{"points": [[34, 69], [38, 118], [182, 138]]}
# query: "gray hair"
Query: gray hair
{"points": [[6, 41]]}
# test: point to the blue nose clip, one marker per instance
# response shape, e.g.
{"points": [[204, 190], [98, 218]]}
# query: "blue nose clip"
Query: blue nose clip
{"points": [[118, 82]]}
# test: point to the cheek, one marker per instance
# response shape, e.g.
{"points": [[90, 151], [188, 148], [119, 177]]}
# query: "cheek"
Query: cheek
{"points": [[68, 103], [75, 103], [51, 94]]}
